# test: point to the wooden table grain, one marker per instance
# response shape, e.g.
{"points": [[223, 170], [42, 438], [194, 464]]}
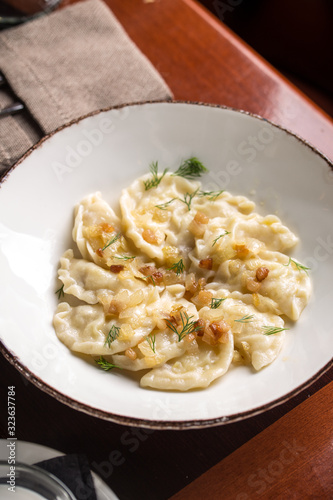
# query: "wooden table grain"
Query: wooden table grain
{"points": [[290, 459], [201, 60]]}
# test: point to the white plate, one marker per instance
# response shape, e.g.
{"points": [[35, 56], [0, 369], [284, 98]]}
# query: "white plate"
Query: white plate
{"points": [[31, 453], [106, 151]]}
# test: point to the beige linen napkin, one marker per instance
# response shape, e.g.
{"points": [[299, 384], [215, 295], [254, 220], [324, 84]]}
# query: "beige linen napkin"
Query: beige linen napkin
{"points": [[62, 66]]}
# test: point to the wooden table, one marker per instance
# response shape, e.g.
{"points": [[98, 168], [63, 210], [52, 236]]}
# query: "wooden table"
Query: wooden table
{"points": [[201, 60]]}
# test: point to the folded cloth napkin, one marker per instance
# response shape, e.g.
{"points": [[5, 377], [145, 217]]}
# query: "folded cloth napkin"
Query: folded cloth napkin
{"points": [[74, 472], [65, 65]]}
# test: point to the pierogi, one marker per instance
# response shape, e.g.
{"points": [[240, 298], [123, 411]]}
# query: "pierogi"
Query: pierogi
{"points": [[181, 285]]}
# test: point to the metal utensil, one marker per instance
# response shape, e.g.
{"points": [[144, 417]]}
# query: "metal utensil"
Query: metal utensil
{"points": [[16, 107], [13, 108], [11, 17]]}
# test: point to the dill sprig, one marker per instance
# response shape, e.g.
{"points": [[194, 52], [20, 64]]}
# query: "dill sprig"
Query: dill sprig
{"points": [[299, 266], [191, 169], [271, 330], [151, 339], [245, 319], [178, 267], [188, 197], [188, 326], [155, 179], [112, 335], [124, 257], [113, 240], [105, 365], [221, 236], [164, 206], [149, 277], [211, 195], [215, 303], [60, 292]]}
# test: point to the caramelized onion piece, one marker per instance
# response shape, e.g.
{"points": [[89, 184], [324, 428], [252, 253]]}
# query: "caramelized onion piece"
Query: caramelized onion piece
{"points": [[107, 228], [241, 250], [116, 268], [206, 263], [154, 277], [253, 285], [197, 224], [157, 277], [190, 284], [262, 273], [216, 332], [212, 333], [203, 298], [201, 218], [147, 270], [149, 236], [131, 354]]}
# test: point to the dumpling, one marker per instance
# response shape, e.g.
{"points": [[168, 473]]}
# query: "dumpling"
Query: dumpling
{"points": [[98, 232], [95, 224], [288, 287], [89, 282], [153, 351], [183, 284], [86, 328], [268, 230], [248, 327], [192, 370], [164, 343], [240, 237], [160, 220], [152, 229]]}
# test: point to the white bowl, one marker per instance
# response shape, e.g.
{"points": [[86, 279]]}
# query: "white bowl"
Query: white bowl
{"points": [[105, 152]]}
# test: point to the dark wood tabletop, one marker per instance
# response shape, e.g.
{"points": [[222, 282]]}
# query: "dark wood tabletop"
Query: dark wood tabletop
{"points": [[291, 459], [201, 60]]}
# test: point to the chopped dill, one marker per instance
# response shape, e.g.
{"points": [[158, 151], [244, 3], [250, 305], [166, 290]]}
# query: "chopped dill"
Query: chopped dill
{"points": [[299, 266], [221, 236], [245, 319], [211, 195], [112, 335], [271, 330], [155, 179], [164, 206], [215, 303], [188, 326], [149, 277], [124, 257], [105, 365], [151, 339], [113, 240], [60, 292], [178, 267], [188, 197], [190, 169]]}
